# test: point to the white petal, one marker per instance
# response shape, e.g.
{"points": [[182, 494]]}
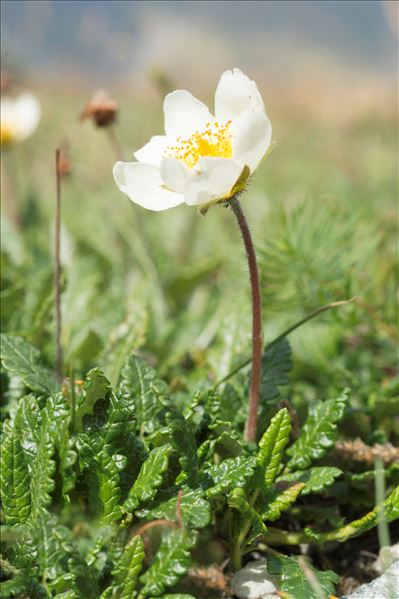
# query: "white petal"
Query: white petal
{"points": [[152, 152], [234, 94], [27, 115], [142, 183], [211, 179], [7, 111], [184, 114], [252, 133], [174, 174]]}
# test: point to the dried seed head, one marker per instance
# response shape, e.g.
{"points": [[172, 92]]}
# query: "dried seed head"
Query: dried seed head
{"points": [[64, 163], [102, 109], [357, 451]]}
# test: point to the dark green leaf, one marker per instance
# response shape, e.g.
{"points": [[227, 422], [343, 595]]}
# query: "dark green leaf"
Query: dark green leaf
{"points": [[109, 452], [109, 492], [276, 364], [388, 511], [95, 388], [20, 358], [195, 510], [127, 569], [22, 585], [148, 393], [182, 439], [27, 425], [15, 481], [281, 501], [319, 432], [52, 543], [42, 474], [149, 479], [300, 580], [239, 501], [272, 445], [171, 562], [315, 479], [231, 473], [56, 418]]}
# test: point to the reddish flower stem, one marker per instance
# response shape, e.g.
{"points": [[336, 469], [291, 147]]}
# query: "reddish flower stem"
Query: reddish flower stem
{"points": [[148, 525], [251, 424]]}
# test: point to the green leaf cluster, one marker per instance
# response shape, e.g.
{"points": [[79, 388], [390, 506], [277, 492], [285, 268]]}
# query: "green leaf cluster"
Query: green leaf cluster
{"points": [[111, 493]]}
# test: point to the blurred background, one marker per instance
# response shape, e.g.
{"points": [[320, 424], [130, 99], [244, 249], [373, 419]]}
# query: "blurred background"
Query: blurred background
{"points": [[113, 42], [322, 207]]}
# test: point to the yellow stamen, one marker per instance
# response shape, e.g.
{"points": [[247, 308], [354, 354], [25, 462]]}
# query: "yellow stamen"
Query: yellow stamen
{"points": [[6, 134], [214, 141]]}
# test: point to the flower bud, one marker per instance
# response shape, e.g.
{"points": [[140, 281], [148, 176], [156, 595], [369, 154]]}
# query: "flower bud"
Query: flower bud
{"points": [[102, 109]]}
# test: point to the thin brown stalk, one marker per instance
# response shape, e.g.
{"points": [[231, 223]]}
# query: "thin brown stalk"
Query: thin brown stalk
{"points": [[251, 424], [178, 508], [115, 143], [57, 270], [160, 522]]}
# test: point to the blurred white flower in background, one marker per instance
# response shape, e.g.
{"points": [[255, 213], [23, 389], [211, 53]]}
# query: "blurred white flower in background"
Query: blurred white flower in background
{"points": [[19, 117], [201, 159]]}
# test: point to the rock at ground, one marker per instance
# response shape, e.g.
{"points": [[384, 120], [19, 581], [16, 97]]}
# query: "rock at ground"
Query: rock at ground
{"points": [[383, 587], [386, 557], [253, 582]]}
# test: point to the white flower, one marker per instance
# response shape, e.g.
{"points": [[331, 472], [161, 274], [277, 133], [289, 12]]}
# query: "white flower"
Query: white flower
{"points": [[19, 118], [202, 158]]}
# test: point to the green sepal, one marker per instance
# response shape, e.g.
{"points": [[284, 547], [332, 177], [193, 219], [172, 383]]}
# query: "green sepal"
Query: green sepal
{"points": [[238, 188]]}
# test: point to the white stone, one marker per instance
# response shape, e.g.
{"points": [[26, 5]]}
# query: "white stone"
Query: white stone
{"points": [[386, 556], [253, 582], [383, 587]]}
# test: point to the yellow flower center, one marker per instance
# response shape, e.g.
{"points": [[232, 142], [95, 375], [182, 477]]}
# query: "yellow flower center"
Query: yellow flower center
{"points": [[6, 134], [214, 141]]}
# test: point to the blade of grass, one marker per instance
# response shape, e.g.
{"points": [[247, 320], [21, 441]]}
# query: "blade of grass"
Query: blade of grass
{"points": [[57, 270], [290, 329]]}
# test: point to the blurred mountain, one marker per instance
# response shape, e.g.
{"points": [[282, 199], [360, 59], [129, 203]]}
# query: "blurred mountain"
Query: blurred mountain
{"points": [[101, 40]]}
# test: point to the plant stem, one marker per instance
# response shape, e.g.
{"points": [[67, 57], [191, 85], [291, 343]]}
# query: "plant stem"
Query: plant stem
{"points": [[236, 554], [57, 273], [382, 525], [276, 536], [290, 329], [251, 424], [114, 141]]}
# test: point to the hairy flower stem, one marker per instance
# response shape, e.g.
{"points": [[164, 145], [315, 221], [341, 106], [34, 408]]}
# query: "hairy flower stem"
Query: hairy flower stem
{"points": [[251, 424], [57, 273]]}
